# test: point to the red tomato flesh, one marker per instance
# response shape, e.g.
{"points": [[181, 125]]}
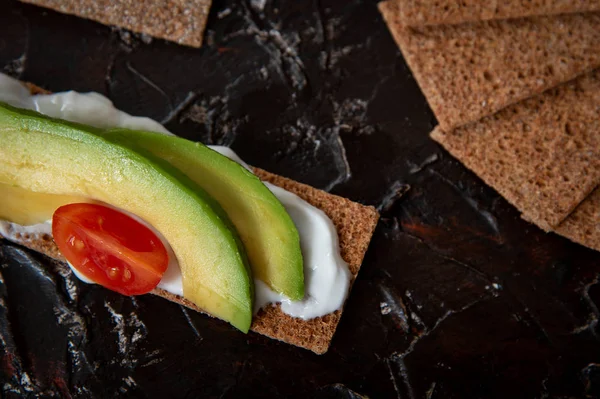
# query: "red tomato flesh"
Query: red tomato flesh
{"points": [[110, 248]]}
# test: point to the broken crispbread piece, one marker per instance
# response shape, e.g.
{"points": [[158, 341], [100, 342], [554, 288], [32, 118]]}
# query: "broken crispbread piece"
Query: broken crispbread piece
{"points": [[472, 70], [180, 21], [542, 154], [583, 225], [435, 12], [355, 224]]}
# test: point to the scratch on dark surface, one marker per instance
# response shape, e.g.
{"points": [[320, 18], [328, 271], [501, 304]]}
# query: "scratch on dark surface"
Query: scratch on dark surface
{"points": [[303, 135], [20, 382], [131, 332], [342, 391], [382, 83], [341, 161], [149, 82], [283, 46], [393, 378], [16, 67], [414, 168], [258, 5], [544, 393], [291, 64], [240, 371], [395, 307], [394, 194], [125, 36], [153, 358], [108, 74], [69, 280], [406, 231], [485, 215], [351, 117], [331, 28], [127, 341], [398, 361], [191, 323], [127, 383], [223, 13], [179, 108], [430, 391], [591, 379], [66, 314], [214, 115], [323, 34], [132, 40], [532, 319], [472, 269], [590, 325], [427, 331], [134, 302], [280, 48], [397, 358], [594, 316]]}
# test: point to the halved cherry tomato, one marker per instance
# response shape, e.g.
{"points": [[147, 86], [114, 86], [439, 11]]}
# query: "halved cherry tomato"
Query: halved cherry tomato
{"points": [[110, 248]]}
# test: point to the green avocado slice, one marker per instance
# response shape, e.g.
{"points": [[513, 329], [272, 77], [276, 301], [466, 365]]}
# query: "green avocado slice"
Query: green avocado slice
{"points": [[52, 156], [266, 229]]}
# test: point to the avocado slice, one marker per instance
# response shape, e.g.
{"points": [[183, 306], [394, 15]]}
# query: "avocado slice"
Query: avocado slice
{"points": [[26, 207], [267, 231], [52, 156]]}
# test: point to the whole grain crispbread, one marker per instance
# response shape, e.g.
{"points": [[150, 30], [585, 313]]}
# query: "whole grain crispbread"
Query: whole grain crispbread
{"points": [[472, 70], [435, 12], [542, 154], [583, 225], [180, 21], [355, 224]]}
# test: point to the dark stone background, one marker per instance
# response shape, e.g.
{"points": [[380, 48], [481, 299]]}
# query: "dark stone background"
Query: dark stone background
{"points": [[458, 297]]}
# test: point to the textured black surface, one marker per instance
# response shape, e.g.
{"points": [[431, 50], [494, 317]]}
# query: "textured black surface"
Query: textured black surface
{"points": [[457, 298]]}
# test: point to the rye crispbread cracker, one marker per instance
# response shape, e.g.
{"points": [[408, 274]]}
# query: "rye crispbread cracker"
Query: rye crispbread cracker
{"points": [[355, 224], [583, 225], [472, 70], [435, 12], [542, 154], [180, 21]]}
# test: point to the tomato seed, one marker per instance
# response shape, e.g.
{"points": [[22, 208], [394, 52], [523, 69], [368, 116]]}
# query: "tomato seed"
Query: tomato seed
{"points": [[126, 275], [113, 273]]}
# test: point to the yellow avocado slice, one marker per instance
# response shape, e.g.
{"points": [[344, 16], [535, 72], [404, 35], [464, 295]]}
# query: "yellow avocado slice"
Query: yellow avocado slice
{"points": [[267, 231], [26, 207], [51, 156]]}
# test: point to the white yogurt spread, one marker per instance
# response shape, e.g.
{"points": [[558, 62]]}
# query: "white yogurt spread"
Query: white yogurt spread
{"points": [[326, 275]]}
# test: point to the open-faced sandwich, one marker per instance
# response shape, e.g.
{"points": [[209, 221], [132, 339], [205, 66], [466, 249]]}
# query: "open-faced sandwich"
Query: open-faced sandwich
{"points": [[137, 210]]}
